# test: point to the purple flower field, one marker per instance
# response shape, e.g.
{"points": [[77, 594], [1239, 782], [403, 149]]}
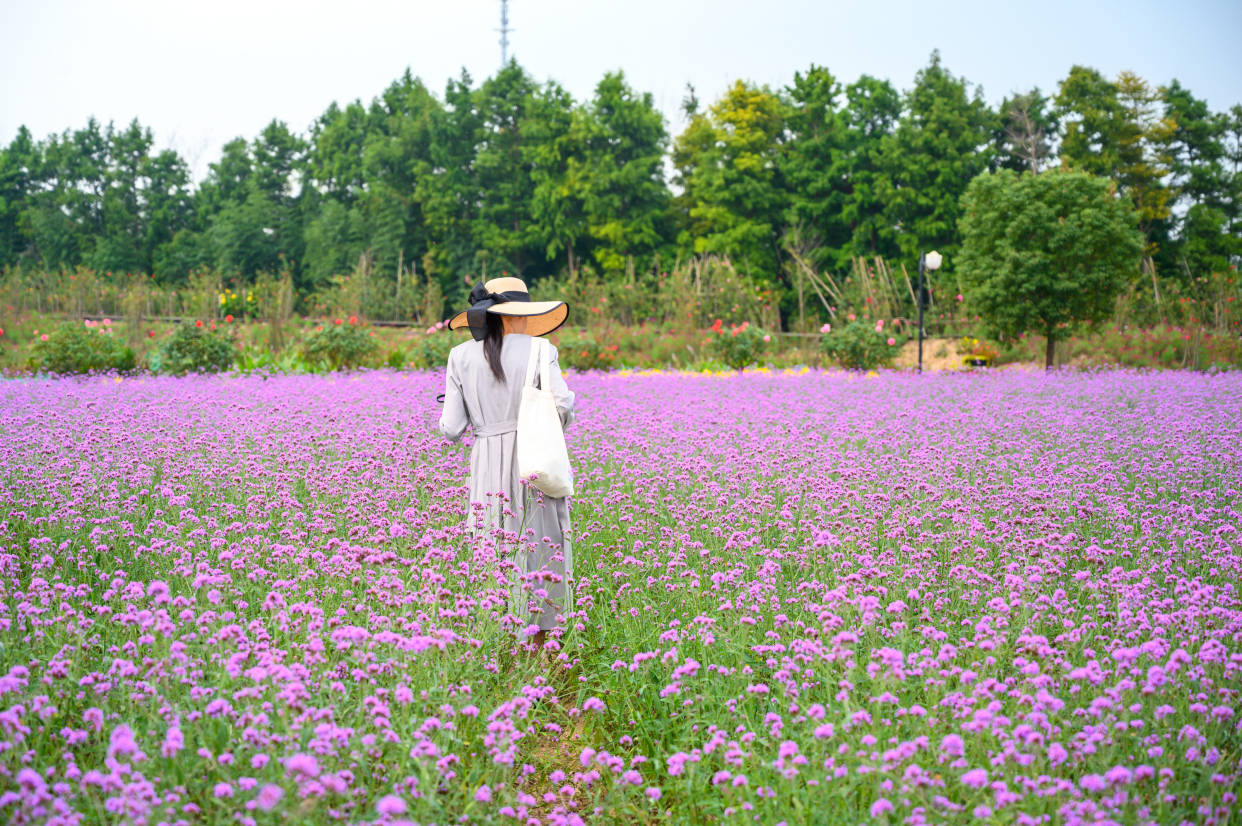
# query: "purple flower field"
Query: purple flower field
{"points": [[799, 597]]}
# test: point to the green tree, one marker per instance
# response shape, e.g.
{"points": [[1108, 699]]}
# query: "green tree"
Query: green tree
{"points": [[727, 164], [1025, 130], [815, 164], [872, 109], [450, 191], [252, 203], [1045, 252], [1206, 237], [337, 143], [18, 167], [941, 143], [504, 228], [63, 218], [625, 198], [119, 245], [397, 154], [1114, 129], [553, 147]]}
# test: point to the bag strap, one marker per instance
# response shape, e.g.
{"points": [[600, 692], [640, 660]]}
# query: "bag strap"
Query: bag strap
{"points": [[545, 383], [531, 362]]}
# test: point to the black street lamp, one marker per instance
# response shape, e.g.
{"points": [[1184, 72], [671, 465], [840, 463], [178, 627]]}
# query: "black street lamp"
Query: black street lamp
{"points": [[930, 262]]}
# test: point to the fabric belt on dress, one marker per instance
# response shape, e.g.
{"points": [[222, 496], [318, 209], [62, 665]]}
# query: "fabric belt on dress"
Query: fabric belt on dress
{"points": [[495, 429]]}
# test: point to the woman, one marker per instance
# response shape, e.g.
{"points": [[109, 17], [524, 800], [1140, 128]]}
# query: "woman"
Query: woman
{"points": [[483, 390]]}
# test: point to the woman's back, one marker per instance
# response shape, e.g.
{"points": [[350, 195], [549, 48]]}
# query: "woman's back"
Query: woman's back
{"points": [[488, 403]]}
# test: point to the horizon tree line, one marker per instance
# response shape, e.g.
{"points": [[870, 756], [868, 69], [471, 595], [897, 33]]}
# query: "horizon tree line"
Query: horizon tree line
{"points": [[516, 176]]}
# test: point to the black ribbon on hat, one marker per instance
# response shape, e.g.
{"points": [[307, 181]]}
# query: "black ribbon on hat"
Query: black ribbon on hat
{"points": [[480, 300]]}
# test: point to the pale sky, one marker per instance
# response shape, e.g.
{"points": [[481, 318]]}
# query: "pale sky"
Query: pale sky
{"points": [[198, 74]]}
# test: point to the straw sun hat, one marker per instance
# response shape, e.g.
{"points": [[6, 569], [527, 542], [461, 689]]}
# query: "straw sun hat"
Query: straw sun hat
{"points": [[509, 296]]}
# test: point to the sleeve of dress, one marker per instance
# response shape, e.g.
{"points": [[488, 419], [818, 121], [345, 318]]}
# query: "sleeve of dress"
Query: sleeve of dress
{"points": [[454, 419], [564, 396]]}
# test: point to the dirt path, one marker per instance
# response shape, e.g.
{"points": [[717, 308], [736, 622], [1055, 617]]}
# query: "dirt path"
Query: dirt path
{"points": [[938, 354]]}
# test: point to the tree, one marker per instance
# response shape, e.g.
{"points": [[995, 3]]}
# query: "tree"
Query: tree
{"points": [[553, 145], [1044, 252], [625, 200], [1026, 129], [1204, 187], [1114, 129], [504, 227], [726, 163], [18, 166], [450, 191], [815, 163], [942, 142], [872, 109]]}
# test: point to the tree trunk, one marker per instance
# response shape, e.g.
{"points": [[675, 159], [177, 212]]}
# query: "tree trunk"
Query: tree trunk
{"points": [[1050, 351]]}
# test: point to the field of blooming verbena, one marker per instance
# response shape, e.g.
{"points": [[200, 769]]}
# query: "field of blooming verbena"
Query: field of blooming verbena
{"points": [[800, 597]]}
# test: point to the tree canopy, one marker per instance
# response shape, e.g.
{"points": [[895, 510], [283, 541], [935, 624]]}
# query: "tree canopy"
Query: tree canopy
{"points": [[511, 174], [1044, 252]]}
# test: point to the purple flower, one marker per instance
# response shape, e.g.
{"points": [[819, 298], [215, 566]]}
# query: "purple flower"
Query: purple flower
{"points": [[304, 765], [975, 778], [269, 796], [880, 807]]}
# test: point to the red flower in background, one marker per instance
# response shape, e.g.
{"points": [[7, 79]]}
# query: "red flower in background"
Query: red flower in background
{"points": [[337, 322], [228, 319], [198, 323], [353, 319]]}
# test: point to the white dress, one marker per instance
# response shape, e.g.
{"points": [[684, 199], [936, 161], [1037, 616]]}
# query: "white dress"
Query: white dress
{"points": [[544, 551]]}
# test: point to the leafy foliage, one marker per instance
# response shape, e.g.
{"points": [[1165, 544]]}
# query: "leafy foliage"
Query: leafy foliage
{"points": [[339, 346], [583, 352], [726, 162], [432, 349], [940, 144], [73, 348], [195, 348], [509, 174], [859, 346], [1044, 252], [739, 346]]}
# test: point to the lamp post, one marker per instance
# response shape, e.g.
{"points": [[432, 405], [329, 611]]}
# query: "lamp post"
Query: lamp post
{"points": [[930, 262]]}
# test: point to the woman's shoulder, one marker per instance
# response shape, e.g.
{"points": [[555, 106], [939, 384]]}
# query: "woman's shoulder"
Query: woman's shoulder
{"points": [[465, 351]]}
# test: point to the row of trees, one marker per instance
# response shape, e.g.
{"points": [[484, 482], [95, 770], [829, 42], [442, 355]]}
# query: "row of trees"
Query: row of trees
{"points": [[517, 176]]}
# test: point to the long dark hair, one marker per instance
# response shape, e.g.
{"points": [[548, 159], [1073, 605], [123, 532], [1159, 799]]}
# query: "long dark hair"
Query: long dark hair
{"points": [[492, 344]]}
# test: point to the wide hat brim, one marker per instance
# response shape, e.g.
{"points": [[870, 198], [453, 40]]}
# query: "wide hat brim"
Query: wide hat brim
{"points": [[542, 317]]}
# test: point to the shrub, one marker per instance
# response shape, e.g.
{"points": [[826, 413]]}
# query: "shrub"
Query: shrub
{"points": [[194, 348], [339, 346], [581, 352], [431, 349], [261, 360], [739, 346], [78, 348], [859, 346], [975, 350]]}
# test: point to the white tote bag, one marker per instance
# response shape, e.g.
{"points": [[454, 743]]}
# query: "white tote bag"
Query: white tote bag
{"points": [[541, 453]]}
